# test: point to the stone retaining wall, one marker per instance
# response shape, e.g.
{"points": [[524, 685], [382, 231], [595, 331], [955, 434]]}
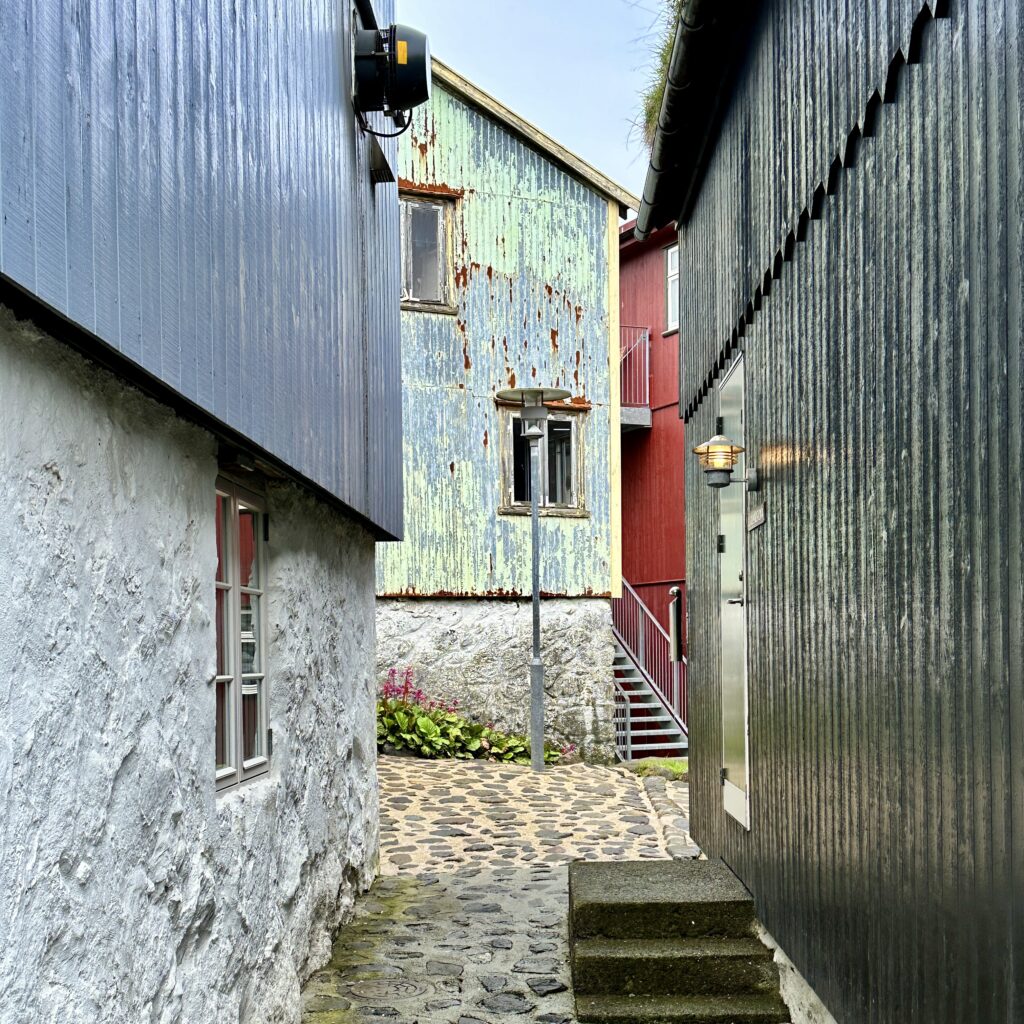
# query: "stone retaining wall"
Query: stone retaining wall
{"points": [[478, 651]]}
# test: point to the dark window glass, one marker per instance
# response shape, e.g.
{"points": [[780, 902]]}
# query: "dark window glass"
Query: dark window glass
{"points": [[423, 251], [520, 462], [559, 462]]}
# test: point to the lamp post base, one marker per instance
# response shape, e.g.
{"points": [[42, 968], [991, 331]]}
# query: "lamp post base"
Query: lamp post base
{"points": [[536, 714]]}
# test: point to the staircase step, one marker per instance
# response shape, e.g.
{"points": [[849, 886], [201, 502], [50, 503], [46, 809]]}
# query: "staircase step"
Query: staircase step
{"points": [[689, 967], [657, 900], [745, 1009], [666, 733], [646, 748]]}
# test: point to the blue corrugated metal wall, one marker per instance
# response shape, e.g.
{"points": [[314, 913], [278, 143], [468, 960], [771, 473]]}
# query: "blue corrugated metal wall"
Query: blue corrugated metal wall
{"points": [[185, 181], [530, 261]]}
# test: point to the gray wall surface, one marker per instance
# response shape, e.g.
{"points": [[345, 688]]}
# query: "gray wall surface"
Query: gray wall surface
{"points": [[186, 182], [885, 408], [478, 652], [130, 891]]}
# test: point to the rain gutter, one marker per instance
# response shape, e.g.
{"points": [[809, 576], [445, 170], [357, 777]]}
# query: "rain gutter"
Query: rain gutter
{"points": [[366, 14], [708, 45]]}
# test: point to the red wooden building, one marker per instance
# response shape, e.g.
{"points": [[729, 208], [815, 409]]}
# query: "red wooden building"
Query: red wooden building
{"points": [[653, 543]]}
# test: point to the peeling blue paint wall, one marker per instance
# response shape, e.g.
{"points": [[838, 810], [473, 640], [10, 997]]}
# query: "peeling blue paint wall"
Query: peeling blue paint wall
{"points": [[531, 277], [186, 183]]}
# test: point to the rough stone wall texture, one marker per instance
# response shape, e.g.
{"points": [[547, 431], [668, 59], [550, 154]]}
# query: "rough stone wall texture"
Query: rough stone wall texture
{"points": [[478, 651], [129, 891]]}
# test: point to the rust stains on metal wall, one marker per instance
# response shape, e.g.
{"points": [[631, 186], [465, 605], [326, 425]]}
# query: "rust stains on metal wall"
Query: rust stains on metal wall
{"points": [[530, 283], [885, 406]]}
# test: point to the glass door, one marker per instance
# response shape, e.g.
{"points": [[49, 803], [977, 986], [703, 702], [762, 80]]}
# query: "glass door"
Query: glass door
{"points": [[732, 566]]}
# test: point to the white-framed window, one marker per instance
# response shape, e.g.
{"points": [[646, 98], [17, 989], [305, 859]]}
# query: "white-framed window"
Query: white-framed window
{"points": [[561, 464], [672, 288], [425, 264], [242, 726]]}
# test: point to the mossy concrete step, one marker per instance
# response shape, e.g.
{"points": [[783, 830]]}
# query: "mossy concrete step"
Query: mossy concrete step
{"points": [[671, 899], [745, 1009], [686, 967]]}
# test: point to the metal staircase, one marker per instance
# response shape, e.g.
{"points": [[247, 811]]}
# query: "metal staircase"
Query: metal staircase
{"points": [[644, 726]]}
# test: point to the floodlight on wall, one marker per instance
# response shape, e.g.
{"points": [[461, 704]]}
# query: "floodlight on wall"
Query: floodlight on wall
{"points": [[392, 72], [718, 457]]}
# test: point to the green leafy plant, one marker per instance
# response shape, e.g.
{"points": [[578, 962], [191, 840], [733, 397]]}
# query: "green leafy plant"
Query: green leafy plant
{"points": [[407, 719]]}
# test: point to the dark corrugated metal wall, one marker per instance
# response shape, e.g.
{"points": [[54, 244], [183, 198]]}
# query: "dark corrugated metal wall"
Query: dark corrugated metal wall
{"points": [[187, 183], [884, 405]]}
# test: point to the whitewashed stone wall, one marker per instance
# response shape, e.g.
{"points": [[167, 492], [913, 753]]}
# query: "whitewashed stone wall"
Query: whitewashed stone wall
{"points": [[129, 891], [478, 651]]}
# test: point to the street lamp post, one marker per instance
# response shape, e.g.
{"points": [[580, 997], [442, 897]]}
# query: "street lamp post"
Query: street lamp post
{"points": [[534, 413]]}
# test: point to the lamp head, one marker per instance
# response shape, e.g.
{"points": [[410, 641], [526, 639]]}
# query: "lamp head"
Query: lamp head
{"points": [[717, 458]]}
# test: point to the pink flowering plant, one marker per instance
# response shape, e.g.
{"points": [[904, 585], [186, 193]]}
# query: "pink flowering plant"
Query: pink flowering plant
{"points": [[409, 720]]}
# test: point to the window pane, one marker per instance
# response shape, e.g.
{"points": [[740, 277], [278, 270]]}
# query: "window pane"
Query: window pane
{"points": [[520, 462], [673, 302], [252, 733], [222, 506], [424, 237], [223, 632], [248, 526], [673, 260], [223, 741], [250, 626], [559, 462]]}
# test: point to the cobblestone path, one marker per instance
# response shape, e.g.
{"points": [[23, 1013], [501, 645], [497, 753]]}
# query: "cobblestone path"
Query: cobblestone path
{"points": [[467, 923]]}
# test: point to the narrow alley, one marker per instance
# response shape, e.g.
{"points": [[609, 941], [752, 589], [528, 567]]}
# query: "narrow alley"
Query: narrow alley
{"points": [[467, 923]]}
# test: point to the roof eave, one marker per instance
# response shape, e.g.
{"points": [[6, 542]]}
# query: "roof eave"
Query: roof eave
{"points": [[708, 45]]}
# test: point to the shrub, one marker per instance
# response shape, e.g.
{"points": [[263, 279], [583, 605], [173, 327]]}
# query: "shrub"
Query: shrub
{"points": [[407, 719]]}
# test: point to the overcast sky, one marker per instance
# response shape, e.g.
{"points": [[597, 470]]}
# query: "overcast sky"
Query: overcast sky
{"points": [[575, 68]]}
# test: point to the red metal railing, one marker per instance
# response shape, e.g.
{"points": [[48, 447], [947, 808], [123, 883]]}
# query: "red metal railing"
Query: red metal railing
{"points": [[635, 366], [649, 646]]}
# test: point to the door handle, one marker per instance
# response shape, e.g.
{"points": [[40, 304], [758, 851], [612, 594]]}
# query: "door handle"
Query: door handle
{"points": [[734, 600]]}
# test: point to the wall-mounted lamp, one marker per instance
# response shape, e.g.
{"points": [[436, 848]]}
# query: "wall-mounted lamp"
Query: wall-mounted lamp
{"points": [[718, 457]]}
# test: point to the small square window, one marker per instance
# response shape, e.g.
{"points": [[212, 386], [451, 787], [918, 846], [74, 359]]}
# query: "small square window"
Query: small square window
{"points": [[560, 454], [425, 251], [672, 288]]}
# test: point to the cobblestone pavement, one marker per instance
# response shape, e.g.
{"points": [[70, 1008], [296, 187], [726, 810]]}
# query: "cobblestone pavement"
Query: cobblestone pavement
{"points": [[467, 923]]}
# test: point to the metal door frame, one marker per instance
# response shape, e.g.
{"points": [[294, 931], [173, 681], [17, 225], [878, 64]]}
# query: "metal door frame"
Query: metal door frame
{"points": [[736, 801]]}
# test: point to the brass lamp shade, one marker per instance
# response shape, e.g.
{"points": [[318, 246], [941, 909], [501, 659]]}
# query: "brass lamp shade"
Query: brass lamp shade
{"points": [[718, 454]]}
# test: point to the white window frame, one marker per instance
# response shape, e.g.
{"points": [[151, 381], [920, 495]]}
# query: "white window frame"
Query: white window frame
{"points": [[577, 504], [671, 287], [444, 248], [240, 769]]}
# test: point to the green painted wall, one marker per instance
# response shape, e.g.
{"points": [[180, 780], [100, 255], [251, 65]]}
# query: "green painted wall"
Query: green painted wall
{"points": [[530, 266]]}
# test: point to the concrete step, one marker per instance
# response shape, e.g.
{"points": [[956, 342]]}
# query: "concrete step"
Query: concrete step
{"points": [[744, 1009], [657, 900], [685, 967]]}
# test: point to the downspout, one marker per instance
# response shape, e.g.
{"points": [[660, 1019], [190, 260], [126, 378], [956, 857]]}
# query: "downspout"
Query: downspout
{"points": [[366, 14], [693, 16]]}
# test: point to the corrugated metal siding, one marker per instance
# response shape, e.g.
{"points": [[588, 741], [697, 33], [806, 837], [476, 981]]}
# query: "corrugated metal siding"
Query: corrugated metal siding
{"points": [[532, 271], [187, 184], [884, 405], [784, 133]]}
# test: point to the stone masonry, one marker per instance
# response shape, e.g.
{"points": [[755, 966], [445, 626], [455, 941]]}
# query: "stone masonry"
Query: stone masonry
{"points": [[478, 652]]}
